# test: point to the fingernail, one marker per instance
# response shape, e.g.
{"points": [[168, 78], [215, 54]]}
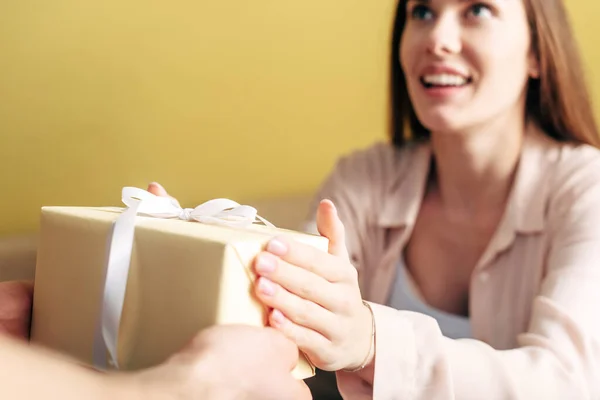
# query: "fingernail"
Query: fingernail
{"points": [[277, 247], [266, 287], [277, 317], [265, 263], [331, 205], [327, 201]]}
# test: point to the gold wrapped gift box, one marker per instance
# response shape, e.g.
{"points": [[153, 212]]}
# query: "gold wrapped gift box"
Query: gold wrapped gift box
{"points": [[184, 276]]}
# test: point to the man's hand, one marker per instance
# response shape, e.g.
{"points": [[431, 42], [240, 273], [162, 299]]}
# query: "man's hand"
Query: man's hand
{"points": [[15, 308], [230, 362], [221, 363]]}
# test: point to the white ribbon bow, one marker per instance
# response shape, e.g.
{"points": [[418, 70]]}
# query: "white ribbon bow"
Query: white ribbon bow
{"points": [[139, 201], [217, 211]]}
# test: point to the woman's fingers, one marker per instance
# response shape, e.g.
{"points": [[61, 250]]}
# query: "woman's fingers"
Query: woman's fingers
{"points": [[312, 259], [157, 189], [298, 281], [302, 312], [312, 343]]}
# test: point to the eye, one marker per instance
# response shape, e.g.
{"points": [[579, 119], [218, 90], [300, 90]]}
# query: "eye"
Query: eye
{"points": [[480, 10], [421, 12]]}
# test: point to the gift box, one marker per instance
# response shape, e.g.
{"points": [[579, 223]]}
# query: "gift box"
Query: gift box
{"points": [[125, 288]]}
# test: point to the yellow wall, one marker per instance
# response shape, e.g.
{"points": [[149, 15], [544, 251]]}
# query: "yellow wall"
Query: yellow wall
{"points": [[584, 16], [214, 98]]}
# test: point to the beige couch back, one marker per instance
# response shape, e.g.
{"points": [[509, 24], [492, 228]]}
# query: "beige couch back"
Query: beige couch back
{"points": [[17, 258]]}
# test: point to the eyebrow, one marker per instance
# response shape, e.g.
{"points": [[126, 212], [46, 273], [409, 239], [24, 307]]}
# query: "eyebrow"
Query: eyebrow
{"points": [[461, 1]]}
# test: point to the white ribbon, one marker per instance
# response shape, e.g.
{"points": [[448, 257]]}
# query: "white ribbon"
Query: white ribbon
{"points": [[140, 202]]}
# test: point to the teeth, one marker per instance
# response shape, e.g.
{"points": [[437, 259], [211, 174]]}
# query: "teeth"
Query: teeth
{"points": [[445, 80]]}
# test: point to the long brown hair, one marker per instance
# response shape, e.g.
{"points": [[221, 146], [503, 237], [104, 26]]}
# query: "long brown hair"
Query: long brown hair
{"points": [[558, 100]]}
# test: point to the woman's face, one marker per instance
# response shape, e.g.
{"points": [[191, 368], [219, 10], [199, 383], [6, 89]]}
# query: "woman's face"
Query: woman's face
{"points": [[466, 62]]}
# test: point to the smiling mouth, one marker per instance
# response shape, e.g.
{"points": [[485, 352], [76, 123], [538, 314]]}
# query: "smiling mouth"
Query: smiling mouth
{"points": [[445, 81]]}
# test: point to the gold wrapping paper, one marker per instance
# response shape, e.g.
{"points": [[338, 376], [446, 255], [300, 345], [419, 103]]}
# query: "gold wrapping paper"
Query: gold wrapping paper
{"points": [[184, 276]]}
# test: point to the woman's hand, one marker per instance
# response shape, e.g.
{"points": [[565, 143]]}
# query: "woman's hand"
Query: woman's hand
{"points": [[158, 190], [315, 296]]}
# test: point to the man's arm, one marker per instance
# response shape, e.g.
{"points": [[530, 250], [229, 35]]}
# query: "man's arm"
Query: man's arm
{"points": [[28, 372], [222, 362]]}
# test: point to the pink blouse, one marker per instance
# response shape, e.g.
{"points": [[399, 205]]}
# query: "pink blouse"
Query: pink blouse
{"points": [[534, 294]]}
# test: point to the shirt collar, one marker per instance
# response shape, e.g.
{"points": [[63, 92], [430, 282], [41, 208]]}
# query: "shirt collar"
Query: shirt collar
{"points": [[525, 212]]}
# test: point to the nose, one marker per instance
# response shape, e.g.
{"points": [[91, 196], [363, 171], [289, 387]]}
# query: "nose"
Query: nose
{"points": [[445, 36]]}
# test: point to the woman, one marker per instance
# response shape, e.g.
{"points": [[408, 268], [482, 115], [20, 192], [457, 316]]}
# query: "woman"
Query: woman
{"points": [[476, 238]]}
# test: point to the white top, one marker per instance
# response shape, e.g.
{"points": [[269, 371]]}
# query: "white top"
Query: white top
{"points": [[404, 297]]}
